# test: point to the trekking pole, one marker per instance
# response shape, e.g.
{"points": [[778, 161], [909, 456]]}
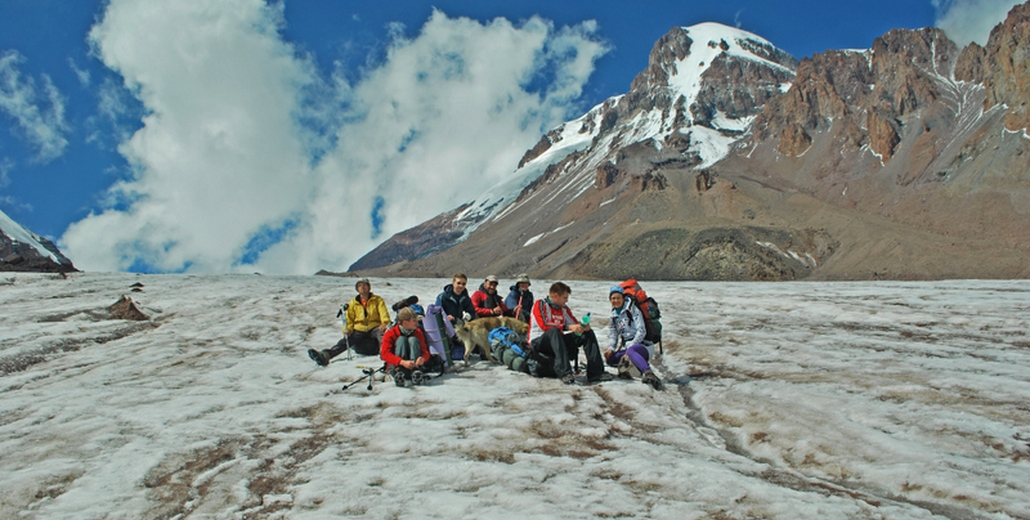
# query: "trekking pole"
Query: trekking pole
{"points": [[369, 374], [346, 337]]}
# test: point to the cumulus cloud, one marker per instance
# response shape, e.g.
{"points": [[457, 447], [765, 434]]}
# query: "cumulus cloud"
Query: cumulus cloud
{"points": [[968, 21], [37, 112], [248, 160]]}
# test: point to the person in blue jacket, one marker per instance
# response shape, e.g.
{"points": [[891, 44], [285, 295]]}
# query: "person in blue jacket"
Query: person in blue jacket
{"points": [[456, 301], [520, 299]]}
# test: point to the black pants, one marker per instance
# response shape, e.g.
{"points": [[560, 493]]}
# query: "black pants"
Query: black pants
{"points": [[559, 349], [364, 343]]}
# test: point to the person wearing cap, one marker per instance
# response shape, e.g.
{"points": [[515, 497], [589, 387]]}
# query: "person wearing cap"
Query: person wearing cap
{"points": [[486, 300], [367, 320], [520, 299], [627, 348]]}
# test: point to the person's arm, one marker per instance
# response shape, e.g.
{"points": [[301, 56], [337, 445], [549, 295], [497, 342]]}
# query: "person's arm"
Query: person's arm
{"points": [[639, 326], [469, 308], [386, 349], [384, 314], [425, 348], [352, 317], [613, 334], [478, 299]]}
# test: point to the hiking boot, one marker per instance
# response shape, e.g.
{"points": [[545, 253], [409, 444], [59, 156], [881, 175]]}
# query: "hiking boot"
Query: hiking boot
{"points": [[649, 378], [319, 356], [417, 377], [568, 378], [600, 378]]}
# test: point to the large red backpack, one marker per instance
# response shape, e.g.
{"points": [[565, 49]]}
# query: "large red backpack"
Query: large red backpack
{"points": [[648, 307]]}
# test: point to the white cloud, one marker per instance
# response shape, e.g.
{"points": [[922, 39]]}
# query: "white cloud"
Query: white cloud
{"points": [[968, 21], [38, 113], [221, 158]]}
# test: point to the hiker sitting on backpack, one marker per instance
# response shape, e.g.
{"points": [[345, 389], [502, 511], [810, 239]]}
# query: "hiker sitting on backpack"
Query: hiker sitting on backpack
{"points": [[404, 349], [367, 320], [520, 299], [626, 344], [455, 299], [486, 300], [556, 335]]}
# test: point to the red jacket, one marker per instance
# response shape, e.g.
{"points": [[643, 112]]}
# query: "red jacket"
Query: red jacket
{"points": [[386, 351], [485, 302], [546, 316]]}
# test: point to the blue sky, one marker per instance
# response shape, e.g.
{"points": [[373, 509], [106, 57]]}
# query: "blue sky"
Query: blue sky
{"points": [[287, 137]]}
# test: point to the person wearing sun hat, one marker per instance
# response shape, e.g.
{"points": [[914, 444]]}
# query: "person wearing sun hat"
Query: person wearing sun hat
{"points": [[367, 319], [520, 299], [627, 348]]}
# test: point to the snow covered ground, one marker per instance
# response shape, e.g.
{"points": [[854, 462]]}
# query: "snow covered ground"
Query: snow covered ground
{"points": [[783, 400]]}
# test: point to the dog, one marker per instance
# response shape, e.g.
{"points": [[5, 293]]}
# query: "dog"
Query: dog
{"points": [[475, 333]]}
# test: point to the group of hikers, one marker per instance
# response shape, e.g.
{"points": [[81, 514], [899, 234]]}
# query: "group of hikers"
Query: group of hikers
{"points": [[550, 347]]}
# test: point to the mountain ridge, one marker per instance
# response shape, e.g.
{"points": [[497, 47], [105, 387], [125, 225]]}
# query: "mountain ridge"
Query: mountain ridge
{"points": [[905, 160]]}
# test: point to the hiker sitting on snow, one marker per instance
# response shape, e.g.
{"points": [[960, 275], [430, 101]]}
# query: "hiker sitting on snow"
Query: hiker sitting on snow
{"points": [[486, 300], [404, 349], [367, 320], [455, 300], [520, 299], [556, 335], [627, 348]]}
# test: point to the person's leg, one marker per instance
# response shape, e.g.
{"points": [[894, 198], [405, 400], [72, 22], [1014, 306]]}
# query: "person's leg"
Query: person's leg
{"points": [[595, 361], [366, 343], [553, 344], [337, 349], [639, 356]]}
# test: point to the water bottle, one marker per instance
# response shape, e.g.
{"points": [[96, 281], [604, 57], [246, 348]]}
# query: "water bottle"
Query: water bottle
{"points": [[584, 321]]}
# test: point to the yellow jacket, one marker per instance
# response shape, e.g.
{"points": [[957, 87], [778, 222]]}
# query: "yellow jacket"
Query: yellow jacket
{"points": [[367, 316]]}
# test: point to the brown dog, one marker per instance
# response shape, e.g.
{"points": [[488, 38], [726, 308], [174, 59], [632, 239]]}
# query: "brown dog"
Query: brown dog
{"points": [[476, 333]]}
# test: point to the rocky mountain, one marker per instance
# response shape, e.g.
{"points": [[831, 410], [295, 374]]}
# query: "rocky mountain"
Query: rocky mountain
{"points": [[730, 160], [22, 250]]}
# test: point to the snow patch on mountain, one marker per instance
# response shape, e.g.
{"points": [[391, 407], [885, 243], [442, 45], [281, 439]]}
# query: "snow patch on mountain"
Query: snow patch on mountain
{"points": [[19, 234]]}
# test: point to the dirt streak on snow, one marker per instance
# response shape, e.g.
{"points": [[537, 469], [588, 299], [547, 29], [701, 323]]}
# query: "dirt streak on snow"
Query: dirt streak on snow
{"points": [[789, 400]]}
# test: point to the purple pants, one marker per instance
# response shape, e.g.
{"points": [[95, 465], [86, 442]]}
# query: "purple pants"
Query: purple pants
{"points": [[637, 355]]}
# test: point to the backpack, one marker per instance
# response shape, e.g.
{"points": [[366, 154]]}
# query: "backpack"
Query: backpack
{"points": [[648, 308], [438, 331], [507, 346]]}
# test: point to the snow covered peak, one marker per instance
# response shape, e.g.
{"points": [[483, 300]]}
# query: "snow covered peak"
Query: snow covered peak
{"points": [[19, 234], [23, 250]]}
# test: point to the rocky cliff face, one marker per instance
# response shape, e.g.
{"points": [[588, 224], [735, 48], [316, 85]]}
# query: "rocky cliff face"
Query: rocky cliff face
{"points": [[728, 159], [1003, 67]]}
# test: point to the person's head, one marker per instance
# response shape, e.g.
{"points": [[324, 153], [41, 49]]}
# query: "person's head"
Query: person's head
{"points": [[364, 287], [490, 283], [559, 293], [522, 282], [617, 297], [407, 318], [459, 282]]}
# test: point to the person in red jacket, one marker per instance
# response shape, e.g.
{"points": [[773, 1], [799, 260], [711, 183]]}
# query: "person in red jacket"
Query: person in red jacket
{"points": [[555, 337], [404, 349], [486, 300]]}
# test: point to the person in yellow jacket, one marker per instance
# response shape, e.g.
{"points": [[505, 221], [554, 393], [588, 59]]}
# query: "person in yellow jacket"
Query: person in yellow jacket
{"points": [[367, 320]]}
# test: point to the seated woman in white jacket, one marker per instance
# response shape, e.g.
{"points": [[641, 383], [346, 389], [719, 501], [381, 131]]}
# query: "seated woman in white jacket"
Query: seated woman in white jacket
{"points": [[626, 344]]}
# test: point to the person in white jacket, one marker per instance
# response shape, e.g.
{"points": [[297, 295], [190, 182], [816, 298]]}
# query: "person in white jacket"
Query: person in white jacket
{"points": [[626, 344]]}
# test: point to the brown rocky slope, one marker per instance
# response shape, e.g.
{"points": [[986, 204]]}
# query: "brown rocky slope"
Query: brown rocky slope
{"points": [[906, 161]]}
